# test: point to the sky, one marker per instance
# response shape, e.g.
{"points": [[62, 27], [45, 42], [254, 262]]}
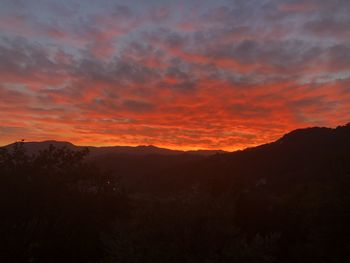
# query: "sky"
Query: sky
{"points": [[177, 74]]}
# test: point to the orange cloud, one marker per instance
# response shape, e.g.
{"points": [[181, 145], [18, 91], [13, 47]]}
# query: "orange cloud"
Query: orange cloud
{"points": [[221, 77]]}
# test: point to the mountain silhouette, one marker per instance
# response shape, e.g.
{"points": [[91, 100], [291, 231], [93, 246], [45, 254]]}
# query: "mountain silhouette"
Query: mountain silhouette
{"points": [[284, 201], [34, 147], [300, 156], [297, 157]]}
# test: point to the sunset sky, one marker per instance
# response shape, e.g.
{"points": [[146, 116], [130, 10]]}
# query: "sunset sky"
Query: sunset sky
{"points": [[177, 74]]}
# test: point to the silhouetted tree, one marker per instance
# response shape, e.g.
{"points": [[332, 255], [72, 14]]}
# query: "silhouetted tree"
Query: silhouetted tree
{"points": [[54, 206]]}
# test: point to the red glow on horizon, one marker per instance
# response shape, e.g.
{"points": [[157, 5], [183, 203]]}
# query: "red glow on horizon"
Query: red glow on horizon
{"points": [[218, 76]]}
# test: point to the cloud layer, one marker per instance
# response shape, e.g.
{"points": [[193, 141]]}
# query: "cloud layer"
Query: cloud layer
{"points": [[178, 74]]}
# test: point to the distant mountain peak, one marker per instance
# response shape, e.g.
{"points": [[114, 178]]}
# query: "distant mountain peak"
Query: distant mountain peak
{"points": [[34, 147]]}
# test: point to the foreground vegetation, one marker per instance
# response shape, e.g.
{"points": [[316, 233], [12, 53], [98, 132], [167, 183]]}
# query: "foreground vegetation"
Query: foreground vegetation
{"points": [[56, 207]]}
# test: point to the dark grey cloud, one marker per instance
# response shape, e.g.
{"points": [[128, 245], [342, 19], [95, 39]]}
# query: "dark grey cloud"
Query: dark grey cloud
{"points": [[21, 57], [338, 57], [329, 28]]}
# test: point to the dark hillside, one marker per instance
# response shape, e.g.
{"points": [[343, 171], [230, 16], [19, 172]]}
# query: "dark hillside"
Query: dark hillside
{"points": [[287, 201]]}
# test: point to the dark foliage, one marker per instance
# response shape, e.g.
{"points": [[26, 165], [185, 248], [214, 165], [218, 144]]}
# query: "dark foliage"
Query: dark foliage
{"points": [[54, 206], [287, 201]]}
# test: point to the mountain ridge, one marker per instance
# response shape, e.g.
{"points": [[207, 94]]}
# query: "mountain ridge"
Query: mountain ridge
{"points": [[35, 146], [309, 133]]}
